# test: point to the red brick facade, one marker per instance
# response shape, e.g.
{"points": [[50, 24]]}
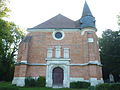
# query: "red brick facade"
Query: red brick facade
{"points": [[34, 51]]}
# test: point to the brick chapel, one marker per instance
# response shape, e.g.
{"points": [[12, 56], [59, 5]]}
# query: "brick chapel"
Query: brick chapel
{"points": [[61, 50]]}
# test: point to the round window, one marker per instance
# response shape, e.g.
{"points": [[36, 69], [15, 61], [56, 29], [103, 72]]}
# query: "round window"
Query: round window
{"points": [[58, 35]]}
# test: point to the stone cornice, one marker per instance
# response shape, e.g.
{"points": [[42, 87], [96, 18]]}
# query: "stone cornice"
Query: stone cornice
{"points": [[58, 59], [89, 63], [51, 30], [53, 59]]}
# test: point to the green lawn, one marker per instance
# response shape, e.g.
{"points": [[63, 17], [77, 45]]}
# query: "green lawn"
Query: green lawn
{"points": [[49, 89], [23, 88], [5, 84]]}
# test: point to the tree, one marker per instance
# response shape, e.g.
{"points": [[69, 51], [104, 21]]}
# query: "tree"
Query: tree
{"points": [[118, 17], [110, 53], [4, 8], [10, 37]]}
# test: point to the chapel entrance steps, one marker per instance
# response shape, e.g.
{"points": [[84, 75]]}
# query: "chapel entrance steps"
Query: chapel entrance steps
{"points": [[57, 86]]}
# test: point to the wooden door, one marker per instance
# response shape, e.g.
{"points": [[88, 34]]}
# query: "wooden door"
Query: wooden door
{"points": [[58, 76]]}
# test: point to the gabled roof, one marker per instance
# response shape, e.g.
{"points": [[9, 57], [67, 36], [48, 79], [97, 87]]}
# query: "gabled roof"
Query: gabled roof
{"points": [[58, 21], [86, 10], [62, 22]]}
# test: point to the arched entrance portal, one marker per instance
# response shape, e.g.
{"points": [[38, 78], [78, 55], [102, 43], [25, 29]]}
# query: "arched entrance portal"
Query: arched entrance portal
{"points": [[58, 76]]}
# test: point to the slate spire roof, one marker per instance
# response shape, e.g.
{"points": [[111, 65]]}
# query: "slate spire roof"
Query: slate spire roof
{"points": [[86, 10], [58, 21], [87, 19]]}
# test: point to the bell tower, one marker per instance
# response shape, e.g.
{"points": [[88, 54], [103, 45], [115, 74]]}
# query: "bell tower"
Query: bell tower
{"points": [[87, 19], [90, 45]]}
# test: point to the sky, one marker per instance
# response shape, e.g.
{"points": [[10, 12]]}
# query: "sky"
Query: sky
{"points": [[29, 13]]}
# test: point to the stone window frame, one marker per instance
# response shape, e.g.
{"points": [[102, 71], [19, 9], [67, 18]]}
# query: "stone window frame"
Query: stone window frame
{"points": [[63, 35], [49, 52], [58, 51], [90, 40], [66, 53]]}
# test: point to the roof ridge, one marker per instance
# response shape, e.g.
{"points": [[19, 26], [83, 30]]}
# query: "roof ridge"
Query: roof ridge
{"points": [[65, 17], [58, 21]]}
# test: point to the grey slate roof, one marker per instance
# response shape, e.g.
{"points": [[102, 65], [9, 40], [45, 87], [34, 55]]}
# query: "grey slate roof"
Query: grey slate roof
{"points": [[62, 22], [87, 19], [86, 10], [58, 21]]}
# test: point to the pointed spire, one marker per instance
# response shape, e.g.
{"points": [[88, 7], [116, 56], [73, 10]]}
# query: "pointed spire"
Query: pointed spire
{"points": [[86, 10], [87, 19]]}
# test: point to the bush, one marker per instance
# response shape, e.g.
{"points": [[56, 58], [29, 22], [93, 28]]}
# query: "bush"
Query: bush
{"points": [[74, 85], [30, 82], [79, 84], [41, 81], [85, 84], [9, 88], [115, 86], [91, 88], [104, 86]]}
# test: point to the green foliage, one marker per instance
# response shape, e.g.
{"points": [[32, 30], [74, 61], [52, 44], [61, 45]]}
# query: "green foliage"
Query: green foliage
{"points": [[10, 37], [37, 88], [109, 46], [41, 81], [74, 85], [118, 16], [31, 82], [103, 87], [91, 88], [4, 8], [115, 86], [8, 84], [79, 84], [108, 86], [9, 88]]}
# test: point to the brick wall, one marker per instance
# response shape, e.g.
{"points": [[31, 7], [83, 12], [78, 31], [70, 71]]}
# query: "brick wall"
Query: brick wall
{"points": [[35, 51]]}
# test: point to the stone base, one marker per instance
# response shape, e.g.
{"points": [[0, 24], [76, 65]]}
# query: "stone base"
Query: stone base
{"points": [[76, 79], [93, 81], [19, 81]]}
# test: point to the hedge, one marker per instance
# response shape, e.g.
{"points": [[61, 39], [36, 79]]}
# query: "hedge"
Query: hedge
{"points": [[79, 84], [108, 86], [31, 82]]}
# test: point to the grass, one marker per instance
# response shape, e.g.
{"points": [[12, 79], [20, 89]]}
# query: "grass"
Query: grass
{"points": [[36, 88], [5, 84], [49, 89]]}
